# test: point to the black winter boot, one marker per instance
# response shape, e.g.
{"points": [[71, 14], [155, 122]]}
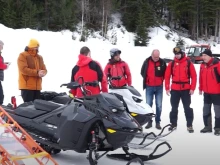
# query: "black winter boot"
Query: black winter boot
{"points": [[190, 129], [206, 129], [149, 125], [158, 126], [217, 132], [172, 127]]}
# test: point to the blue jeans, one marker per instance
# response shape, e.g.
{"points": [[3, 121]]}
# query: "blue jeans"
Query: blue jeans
{"points": [[158, 92]]}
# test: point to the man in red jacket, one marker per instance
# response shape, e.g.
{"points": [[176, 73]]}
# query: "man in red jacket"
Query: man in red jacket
{"points": [[209, 79], [117, 67], [3, 66], [182, 70], [152, 71], [90, 70]]}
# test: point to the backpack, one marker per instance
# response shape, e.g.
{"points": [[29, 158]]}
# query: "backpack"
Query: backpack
{"points": [[188, 65]]}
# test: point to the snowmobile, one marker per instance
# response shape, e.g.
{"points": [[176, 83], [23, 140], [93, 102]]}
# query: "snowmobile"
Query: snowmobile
{"points": [[135, 105], [92, 123], [130, 98]]}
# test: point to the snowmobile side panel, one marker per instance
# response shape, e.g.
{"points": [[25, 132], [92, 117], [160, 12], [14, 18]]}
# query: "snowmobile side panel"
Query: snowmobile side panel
{"points": [[73, 122], [71, 131]]}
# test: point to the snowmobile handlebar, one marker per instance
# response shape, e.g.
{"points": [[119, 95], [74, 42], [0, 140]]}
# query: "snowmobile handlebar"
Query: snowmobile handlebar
{"points": [[113, 78], [80, 83]]}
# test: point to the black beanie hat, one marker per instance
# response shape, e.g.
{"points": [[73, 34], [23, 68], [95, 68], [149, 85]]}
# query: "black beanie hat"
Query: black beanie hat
{"points": [[207, 52], [177, 50]]}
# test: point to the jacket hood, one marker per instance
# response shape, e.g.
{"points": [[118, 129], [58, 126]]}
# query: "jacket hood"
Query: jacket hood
{"points": [[83, 60], [112, 61]]}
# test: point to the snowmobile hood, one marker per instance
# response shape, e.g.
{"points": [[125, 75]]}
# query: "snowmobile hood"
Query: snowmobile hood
{"points": [[133, 100]]}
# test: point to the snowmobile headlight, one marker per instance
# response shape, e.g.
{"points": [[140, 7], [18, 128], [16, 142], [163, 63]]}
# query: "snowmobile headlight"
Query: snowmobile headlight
{"points": [[114, 110], [133, 114], [136, 99]]}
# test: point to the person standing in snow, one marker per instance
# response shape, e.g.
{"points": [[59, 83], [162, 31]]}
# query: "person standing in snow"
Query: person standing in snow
{"points": [[209, 79], [31, 69], [3, 66], [153, 71], [182, 71], [90, 70], [116, 67]]}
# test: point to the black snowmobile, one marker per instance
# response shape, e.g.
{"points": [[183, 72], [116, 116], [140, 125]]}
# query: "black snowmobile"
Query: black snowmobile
{"points": [[94, 123], [132, 101]]}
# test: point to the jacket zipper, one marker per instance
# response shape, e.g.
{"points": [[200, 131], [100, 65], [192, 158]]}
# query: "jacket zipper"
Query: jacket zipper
{"points": [[117, 71], [155, 73], [179, 75], [206, 78]]}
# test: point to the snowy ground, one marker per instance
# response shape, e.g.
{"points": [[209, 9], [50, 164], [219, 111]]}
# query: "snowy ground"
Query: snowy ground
{"points": [[60, 54]]}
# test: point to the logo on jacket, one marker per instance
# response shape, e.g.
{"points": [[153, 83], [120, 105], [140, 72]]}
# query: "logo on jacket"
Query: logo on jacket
{"points": [[158, 68]]}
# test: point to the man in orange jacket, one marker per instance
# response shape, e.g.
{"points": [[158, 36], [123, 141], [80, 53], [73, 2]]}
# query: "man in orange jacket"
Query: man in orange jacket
{"points": [[31, 70], [182, 71]]}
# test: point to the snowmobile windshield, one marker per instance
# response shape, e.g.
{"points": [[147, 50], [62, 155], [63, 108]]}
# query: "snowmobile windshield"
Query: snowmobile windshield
{"points": [[113, 101], [133, 91]]}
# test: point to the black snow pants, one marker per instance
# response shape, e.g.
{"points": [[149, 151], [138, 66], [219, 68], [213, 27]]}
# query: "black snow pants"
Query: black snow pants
{"points": [[184, 95], [1, 94], [30, 95], [210, 99]]}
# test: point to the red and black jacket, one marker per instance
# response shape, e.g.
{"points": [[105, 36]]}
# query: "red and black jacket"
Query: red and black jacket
{"points": [[180, 75], [153, 72], [119, 68], [91, 71], [209, 77], [3, 66]]}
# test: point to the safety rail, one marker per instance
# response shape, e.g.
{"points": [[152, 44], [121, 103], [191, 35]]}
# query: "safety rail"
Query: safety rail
{"points": [[17, 147]]}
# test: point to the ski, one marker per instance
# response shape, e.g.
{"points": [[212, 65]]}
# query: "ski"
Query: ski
{"points": [[132, 157], [151, 136]]}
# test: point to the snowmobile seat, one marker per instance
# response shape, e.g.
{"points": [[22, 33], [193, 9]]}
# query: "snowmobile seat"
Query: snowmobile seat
{"points": [[61, 99], [28, 112], [45, 105]]}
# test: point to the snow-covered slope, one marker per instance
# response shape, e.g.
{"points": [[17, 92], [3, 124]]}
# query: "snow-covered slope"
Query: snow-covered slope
{"points": [[60, 54]]}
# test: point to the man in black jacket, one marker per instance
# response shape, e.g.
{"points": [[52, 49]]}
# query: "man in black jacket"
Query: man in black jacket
{"points": [[152, 71]]}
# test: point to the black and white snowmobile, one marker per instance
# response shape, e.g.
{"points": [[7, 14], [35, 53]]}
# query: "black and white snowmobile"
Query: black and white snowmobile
{"points": [[92, 123], [136, 106]]}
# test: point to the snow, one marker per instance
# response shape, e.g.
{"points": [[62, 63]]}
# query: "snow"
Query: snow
{"points": [[60, 53]]}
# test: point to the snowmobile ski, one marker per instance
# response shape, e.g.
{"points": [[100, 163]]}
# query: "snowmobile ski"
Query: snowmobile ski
{"points": [[147, 135], [132, 157], [143, 145], [19, 148]]}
